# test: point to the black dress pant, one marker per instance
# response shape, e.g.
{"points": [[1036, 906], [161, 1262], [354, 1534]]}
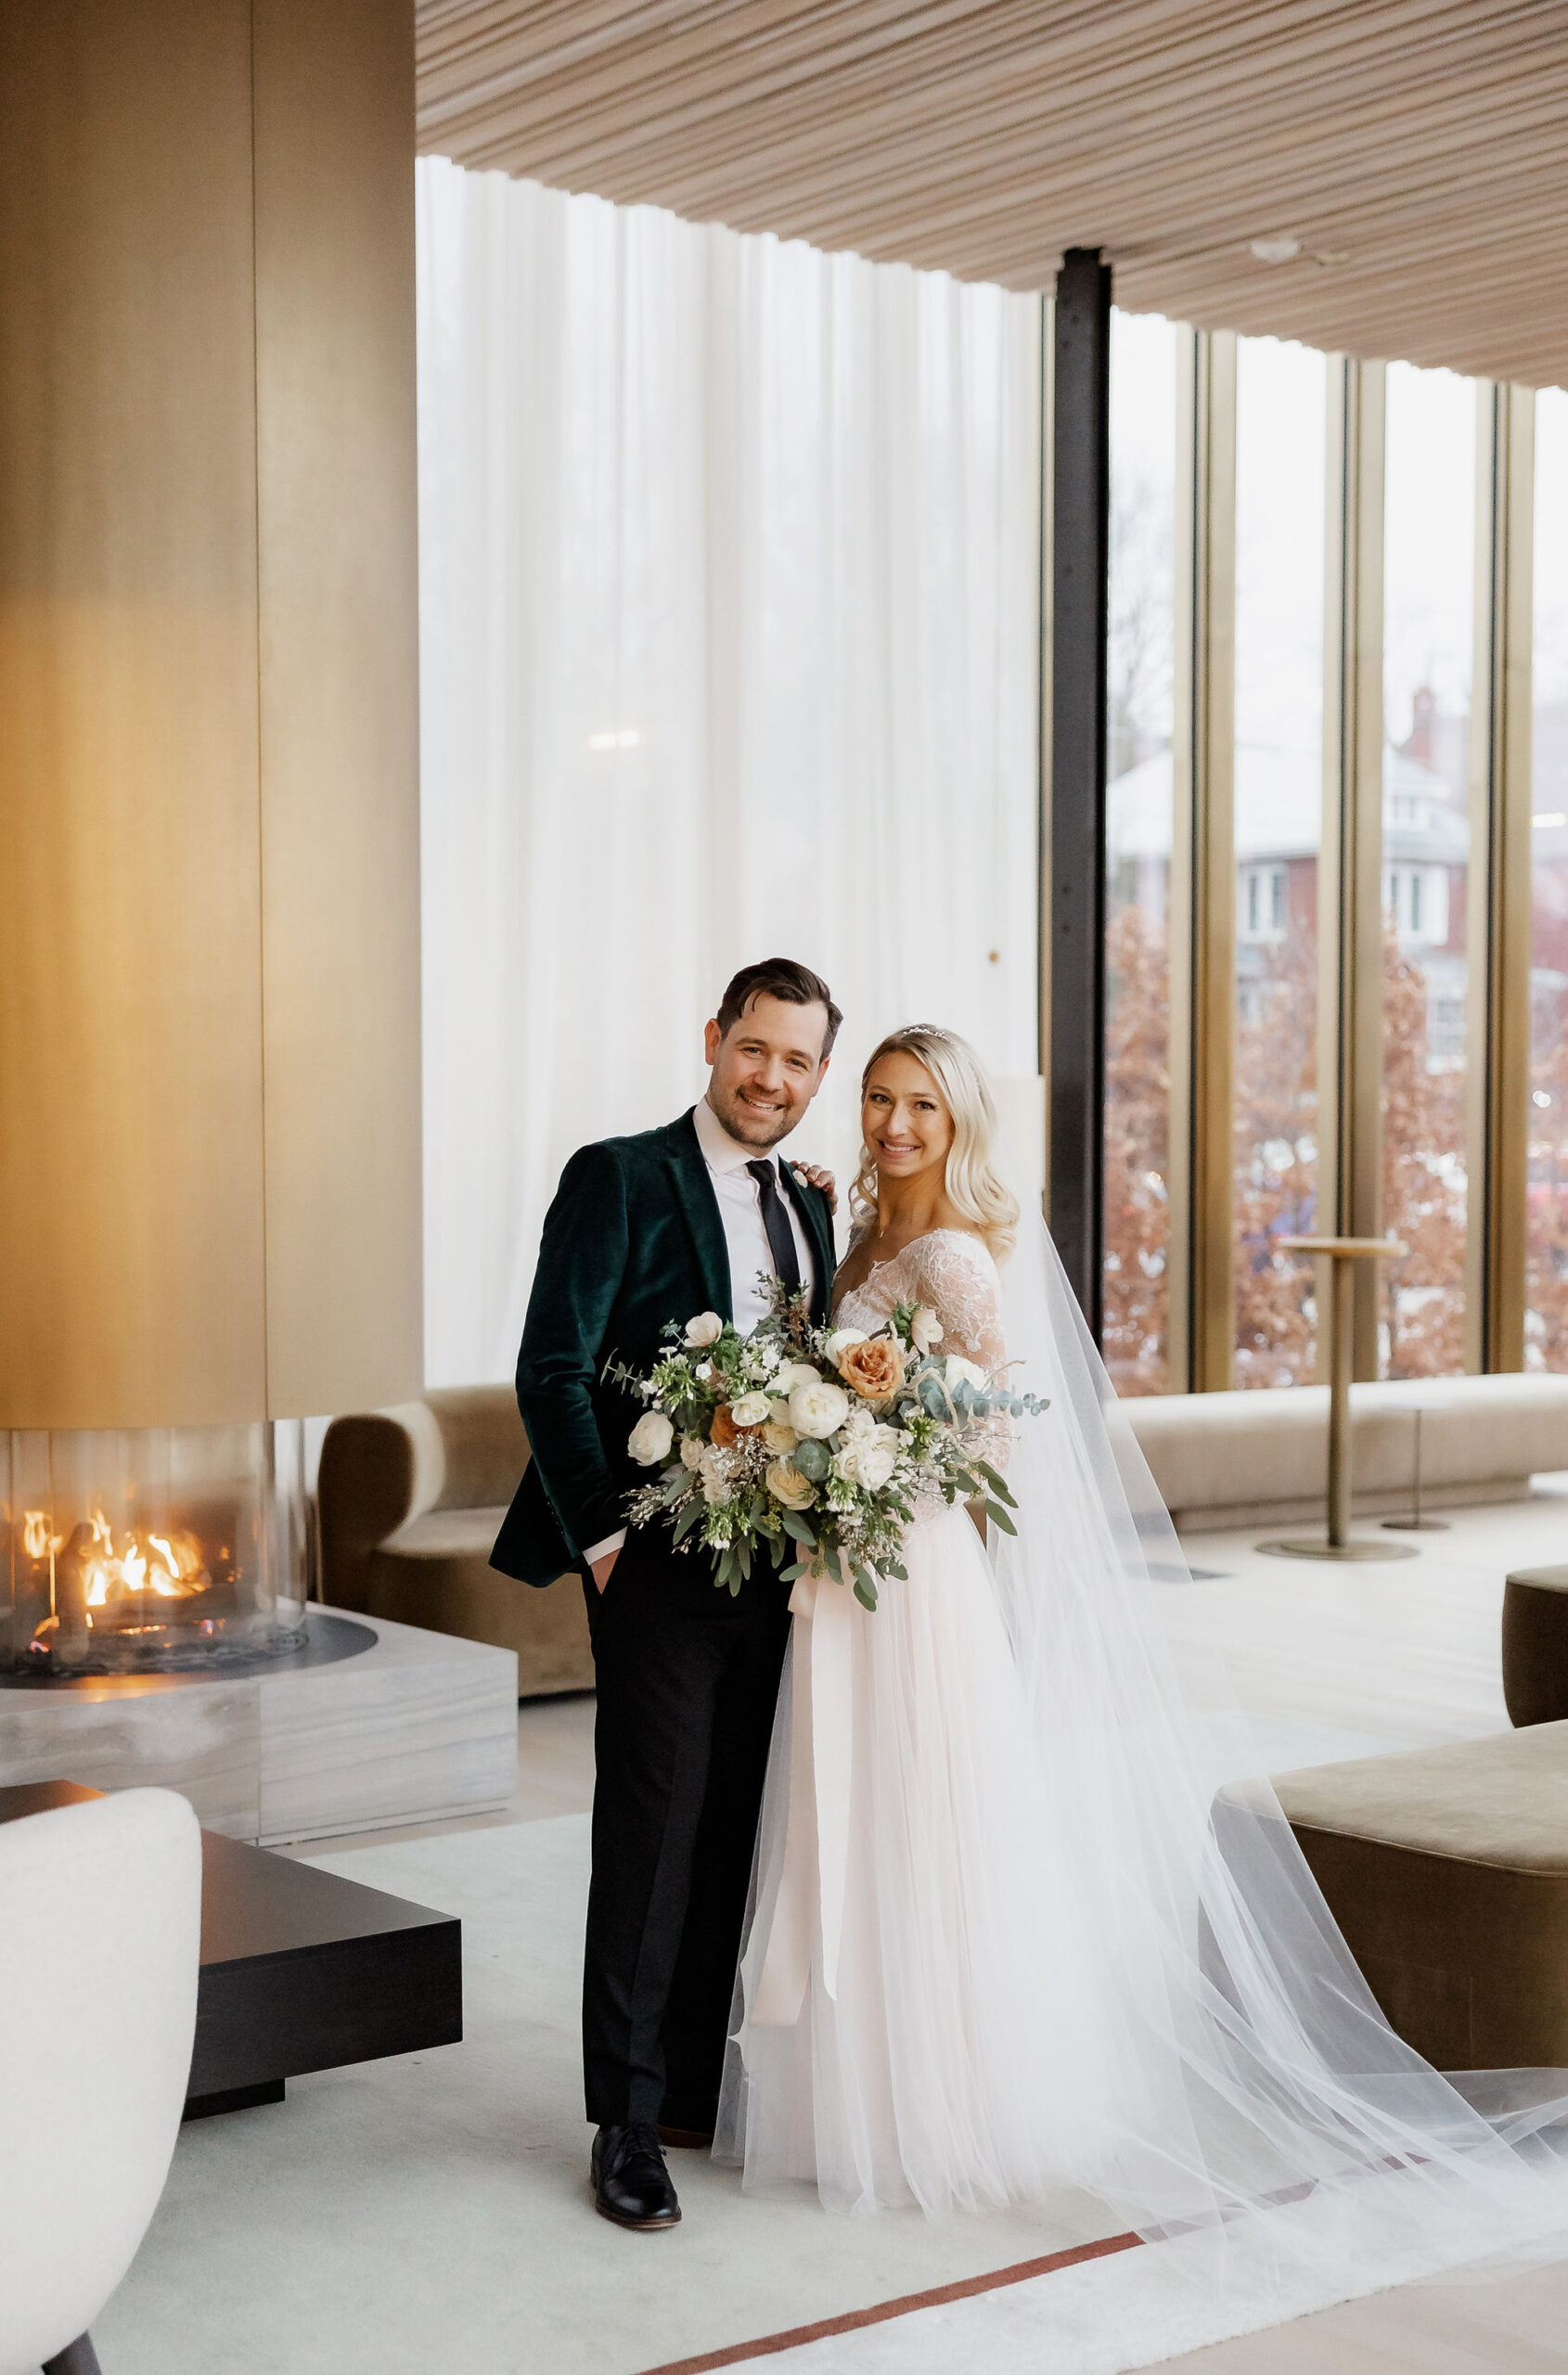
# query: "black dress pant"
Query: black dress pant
{"points": [[687, 1679]]}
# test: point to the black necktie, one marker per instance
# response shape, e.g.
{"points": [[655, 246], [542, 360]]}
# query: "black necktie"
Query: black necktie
{"points": [[776, 1220]]}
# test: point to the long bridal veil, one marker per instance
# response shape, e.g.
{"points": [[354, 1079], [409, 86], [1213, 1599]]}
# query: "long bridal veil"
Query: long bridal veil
{"points": [[1232, 2064], [1215, 2066]]}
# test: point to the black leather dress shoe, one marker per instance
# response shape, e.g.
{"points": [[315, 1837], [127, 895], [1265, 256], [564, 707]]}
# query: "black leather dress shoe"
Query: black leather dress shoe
{"points": [[631, 2183]]}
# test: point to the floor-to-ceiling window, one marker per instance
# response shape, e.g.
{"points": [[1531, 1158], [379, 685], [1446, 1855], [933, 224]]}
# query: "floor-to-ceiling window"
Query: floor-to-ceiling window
{"points": [[1546, 1275], [1281, 397], [1429, 629], [1138, 1135]]}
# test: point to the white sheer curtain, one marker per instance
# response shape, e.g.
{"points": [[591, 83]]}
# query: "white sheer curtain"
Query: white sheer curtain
{"points": [[730, 559]]}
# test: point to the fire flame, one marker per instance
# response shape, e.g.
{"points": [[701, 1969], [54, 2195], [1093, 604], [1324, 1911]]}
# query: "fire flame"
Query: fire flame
{"points": [[36, 1539], [174, 1571]]}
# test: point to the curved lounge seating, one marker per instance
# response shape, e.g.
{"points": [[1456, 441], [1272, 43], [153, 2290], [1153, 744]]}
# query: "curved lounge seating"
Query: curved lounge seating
{"points": [[100, 1910], [1261, 1458], [410, 1502]]}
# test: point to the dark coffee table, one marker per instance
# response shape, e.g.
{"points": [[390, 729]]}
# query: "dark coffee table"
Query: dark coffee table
{"points": [[299, 1969]]}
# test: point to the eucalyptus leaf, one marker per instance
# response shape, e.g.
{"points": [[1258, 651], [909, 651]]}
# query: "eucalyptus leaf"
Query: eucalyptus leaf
{"points": [[994, 1509], [797, 1529], [867, 1595], [813, 1460], [984, 1468]]}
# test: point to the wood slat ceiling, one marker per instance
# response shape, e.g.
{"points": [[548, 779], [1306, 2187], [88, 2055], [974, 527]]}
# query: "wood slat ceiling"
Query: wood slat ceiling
{"points": [[1417, 149]]}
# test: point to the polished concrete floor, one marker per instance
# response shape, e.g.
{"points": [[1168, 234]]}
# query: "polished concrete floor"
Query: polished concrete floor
{"points": [[1328, 1662]]}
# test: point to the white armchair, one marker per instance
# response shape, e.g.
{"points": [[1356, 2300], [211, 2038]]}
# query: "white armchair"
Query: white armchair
{"points": [[100, 1912]]}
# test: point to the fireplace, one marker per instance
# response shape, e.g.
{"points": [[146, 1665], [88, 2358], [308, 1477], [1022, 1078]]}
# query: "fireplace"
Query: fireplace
{"points": [[163, 1549]]}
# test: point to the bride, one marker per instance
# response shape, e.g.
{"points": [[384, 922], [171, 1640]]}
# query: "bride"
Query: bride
{"points": [[1020, 1919]]}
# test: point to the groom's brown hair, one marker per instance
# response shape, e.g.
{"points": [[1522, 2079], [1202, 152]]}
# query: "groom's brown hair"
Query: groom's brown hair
{"points": [[778, 977]]}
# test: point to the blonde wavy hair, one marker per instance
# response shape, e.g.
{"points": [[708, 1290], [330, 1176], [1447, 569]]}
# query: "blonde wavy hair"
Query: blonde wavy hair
{"points": [[974, 1190]]}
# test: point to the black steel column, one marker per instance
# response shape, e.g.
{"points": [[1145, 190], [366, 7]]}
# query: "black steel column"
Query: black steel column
{"points": [[1080, 463]]}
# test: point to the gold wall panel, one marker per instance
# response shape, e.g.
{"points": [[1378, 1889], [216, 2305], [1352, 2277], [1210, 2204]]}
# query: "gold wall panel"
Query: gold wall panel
{"points": [[334, 379], [131, 1223], [181, 1164]]}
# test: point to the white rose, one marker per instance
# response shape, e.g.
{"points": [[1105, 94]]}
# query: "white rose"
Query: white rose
{"points": [[706, 1329], [779, 1435], [859, 1422], [749, 1410], [788, 1485], [869, 1460], [818, 1408], [793, 1373], [650, 1440], [955, 1369], [842, 1337], [691, 1452], [925, 1328]]}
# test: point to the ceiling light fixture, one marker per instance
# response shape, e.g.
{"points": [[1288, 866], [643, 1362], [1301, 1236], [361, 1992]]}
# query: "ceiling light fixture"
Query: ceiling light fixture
{"points": [[1545, 818], [621, 737], [1281, 249]]}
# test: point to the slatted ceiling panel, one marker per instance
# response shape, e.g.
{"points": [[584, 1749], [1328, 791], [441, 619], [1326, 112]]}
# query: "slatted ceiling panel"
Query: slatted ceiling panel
{"points": [[1417, 149]]}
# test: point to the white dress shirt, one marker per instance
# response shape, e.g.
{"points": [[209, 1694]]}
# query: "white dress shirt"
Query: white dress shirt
{"points": [[741, 1210]]}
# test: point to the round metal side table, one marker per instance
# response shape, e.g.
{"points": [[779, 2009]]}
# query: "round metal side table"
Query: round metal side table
{"points": [[1340, 1252]]}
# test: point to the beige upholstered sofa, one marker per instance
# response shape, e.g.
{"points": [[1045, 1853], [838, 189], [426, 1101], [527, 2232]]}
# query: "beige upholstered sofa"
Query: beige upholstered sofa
{"points": [[410, 1499], [1261, 1458]]}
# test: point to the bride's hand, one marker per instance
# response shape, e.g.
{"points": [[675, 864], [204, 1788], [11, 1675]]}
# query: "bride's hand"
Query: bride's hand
{"points": [[814, 1176]]}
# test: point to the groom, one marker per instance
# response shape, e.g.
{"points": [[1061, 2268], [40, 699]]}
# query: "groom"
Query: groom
{"points": [[646, 1231]]}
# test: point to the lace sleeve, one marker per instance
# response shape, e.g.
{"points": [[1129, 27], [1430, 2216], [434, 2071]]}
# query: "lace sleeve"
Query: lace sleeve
{"points": [[957, 1276]]}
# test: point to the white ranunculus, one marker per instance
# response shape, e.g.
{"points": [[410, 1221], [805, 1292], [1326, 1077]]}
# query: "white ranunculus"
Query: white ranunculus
{"points": [[778, 1434], [691, 1452], [956, 1369], [793, 1373], [925, 1328], [749, 1410], [706, 1329], [789, 1486], [818, 1408], [869, 1459], [650, 1440], [842, 1338]]}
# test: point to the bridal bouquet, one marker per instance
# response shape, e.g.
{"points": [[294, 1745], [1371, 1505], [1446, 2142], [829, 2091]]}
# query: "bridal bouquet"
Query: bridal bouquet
{"points": [[811, 1444]]}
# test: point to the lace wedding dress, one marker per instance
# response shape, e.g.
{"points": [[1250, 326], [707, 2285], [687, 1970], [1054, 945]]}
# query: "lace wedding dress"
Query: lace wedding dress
{"points": [[894, 2051]]}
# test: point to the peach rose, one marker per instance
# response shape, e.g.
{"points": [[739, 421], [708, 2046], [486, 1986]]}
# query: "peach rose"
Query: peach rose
{"points": [[873, 1369]]}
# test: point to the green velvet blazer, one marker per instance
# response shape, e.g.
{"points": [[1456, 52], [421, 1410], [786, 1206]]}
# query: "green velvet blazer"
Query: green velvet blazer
{"points": [[633, 1240]]}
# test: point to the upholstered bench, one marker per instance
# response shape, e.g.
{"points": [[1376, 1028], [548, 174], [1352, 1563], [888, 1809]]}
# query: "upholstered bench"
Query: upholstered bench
{"points": [[1535, 1645], [1446, 1868], [1261, 1458], [410, 1499]]}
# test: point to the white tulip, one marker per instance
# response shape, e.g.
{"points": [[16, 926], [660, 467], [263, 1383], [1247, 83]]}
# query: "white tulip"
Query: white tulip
{"points": [[925, 1328], [793, 1373], [650, 1440], [842, 1338], [706, 1329], [956, 1369], [750, 1410]]}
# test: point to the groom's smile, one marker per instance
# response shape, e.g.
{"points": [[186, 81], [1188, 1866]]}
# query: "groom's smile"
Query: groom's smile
{"points": [[767, 1068]]}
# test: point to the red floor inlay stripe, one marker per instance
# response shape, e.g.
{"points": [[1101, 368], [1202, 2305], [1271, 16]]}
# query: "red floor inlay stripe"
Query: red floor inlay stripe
{"points": [[963, 2291]]}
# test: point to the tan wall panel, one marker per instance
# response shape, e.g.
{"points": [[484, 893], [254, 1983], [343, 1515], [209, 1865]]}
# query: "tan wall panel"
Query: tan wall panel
{"points": [[131, 1216], [339, 691]]}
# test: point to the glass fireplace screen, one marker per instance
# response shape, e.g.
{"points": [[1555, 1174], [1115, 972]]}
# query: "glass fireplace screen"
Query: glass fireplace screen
{"points": [[158, 1550]]}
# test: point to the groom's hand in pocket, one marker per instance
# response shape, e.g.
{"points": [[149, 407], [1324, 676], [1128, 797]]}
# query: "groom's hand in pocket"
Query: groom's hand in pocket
{"points": [[601, 1569]]}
